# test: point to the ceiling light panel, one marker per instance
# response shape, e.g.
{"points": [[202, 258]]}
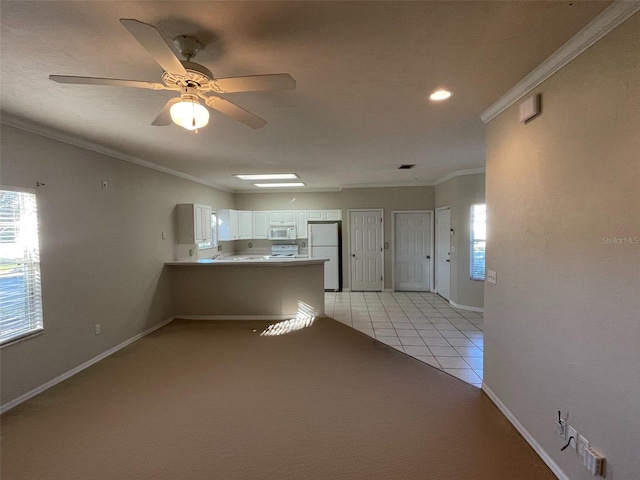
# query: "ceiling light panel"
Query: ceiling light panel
{"points": [[278, 185], [268, 176]]}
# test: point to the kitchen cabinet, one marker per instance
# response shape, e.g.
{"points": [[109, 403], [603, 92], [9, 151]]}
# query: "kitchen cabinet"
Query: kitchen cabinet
{"points": [[194, 223], [261, 224], [287, 217], [228, 228], [301, 224], [245, 224], [322, 215]]}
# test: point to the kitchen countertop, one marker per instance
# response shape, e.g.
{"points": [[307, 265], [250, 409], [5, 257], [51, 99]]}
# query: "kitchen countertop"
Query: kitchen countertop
{"points": [[248, 260]]}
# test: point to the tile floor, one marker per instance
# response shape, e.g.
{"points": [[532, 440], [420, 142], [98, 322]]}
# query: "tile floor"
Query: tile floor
{"points": [[421, 324]]}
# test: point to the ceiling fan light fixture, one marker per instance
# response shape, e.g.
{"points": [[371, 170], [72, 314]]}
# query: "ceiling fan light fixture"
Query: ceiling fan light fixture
{"points": [[189, 114]]}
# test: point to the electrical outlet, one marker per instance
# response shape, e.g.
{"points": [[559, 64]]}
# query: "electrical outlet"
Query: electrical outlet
{"points": [[561, 429], [105, 185], [583, 445], [164, 235], [572, 436], [250, 245]]}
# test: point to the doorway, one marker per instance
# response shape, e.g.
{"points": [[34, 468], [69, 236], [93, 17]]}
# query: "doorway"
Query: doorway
{"points": [[412, 253], [443, 252], [365, 232]]}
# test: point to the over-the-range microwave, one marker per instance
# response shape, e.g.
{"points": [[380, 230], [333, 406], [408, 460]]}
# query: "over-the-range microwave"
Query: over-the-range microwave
{"points": [[282, 232]]}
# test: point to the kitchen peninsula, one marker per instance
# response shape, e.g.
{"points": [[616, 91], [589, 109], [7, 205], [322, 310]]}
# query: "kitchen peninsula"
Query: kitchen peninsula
{"points": [[248, 287]]}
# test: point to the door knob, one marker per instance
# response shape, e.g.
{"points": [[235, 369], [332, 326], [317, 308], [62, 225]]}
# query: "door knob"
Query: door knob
{"points": [[353, 255], [429, 256], [447, 260]]}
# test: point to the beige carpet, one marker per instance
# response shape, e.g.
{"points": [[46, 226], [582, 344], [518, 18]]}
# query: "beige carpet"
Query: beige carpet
{"points": [[215, 400]]}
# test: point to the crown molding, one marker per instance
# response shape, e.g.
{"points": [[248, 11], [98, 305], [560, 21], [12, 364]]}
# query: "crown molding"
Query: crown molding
{"points": [[459, 173], [54, 134], [617, 13]]}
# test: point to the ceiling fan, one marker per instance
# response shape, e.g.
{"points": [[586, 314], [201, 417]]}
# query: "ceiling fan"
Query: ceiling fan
{"points": [[192, 80]]}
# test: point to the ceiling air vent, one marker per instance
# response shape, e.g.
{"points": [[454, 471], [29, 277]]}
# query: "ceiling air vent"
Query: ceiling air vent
{"points": [[406, 167]]}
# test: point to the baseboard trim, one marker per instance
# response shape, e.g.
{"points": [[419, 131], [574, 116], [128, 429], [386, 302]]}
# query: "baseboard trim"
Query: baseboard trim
{"points": [[523, 431], [467, 307], [23, 398]]}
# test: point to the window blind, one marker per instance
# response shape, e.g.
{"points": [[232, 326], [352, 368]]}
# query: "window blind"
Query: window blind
{"points": [[20, 291], [478, 240]]}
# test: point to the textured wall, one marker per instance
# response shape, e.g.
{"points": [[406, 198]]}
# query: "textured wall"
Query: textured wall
{"points": [[562, 325], [102, 252]]}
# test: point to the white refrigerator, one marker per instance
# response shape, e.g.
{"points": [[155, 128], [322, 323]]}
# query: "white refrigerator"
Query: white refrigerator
{"points": [[324, 243]]}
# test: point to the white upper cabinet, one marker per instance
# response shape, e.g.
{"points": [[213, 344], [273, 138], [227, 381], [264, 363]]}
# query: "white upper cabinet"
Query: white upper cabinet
{"points": [[194, 223], [245, 224], [282, 217], [228, 224], [321, 215], [333, 214], [313, 215], [301, 224], [261, 224]]}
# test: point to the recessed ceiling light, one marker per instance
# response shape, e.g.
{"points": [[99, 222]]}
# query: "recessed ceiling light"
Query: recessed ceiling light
{"points": [[439, 95], [277, 185], [268, 176]]}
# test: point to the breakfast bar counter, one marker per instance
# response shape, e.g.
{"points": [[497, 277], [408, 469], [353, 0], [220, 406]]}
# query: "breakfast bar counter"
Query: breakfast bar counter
{"points": [[248, 287]]}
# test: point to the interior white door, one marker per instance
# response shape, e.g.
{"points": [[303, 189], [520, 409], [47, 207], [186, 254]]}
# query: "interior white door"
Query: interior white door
{"points": [[366, 250], [443, 252], [412, 268]]}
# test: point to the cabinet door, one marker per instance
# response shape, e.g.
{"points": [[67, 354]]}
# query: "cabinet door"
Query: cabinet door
{"points": [[261, 224], [289, 217], [245, 224], [205, 221], [197, 221], [276, 216], [227, 224], [301, 224], [233, 224], [313, 215], [333, 214]]}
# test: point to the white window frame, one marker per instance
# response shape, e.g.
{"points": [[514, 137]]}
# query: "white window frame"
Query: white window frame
{"points": [[20, 287], [478, 239]]}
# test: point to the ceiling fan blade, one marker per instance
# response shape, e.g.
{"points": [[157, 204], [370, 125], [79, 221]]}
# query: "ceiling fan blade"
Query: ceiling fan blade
{"points": [[235, 112], [153, 41], [107, 81], [164, 117], [254, 83]]}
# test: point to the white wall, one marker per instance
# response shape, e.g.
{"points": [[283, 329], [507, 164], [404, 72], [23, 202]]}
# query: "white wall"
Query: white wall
{"points": [[562, 325], [102, 252]]}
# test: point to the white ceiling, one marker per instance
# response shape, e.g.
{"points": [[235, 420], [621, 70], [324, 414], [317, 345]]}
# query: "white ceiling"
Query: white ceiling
{"points": [[363, 71]]}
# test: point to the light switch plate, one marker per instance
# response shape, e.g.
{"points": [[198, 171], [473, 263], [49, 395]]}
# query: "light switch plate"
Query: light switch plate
{"points": [[491, 276]]}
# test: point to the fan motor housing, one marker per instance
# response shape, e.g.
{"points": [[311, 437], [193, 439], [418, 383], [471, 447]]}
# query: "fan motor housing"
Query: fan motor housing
{"points": [[196, 74]]}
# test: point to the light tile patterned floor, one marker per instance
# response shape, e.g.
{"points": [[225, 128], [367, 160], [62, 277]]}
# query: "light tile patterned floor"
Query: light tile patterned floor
{"points": [[420, 324]]}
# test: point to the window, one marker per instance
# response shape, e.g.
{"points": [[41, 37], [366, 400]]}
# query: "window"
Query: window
{"points": [[214, 234], [20, 294], [478, 240]]}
